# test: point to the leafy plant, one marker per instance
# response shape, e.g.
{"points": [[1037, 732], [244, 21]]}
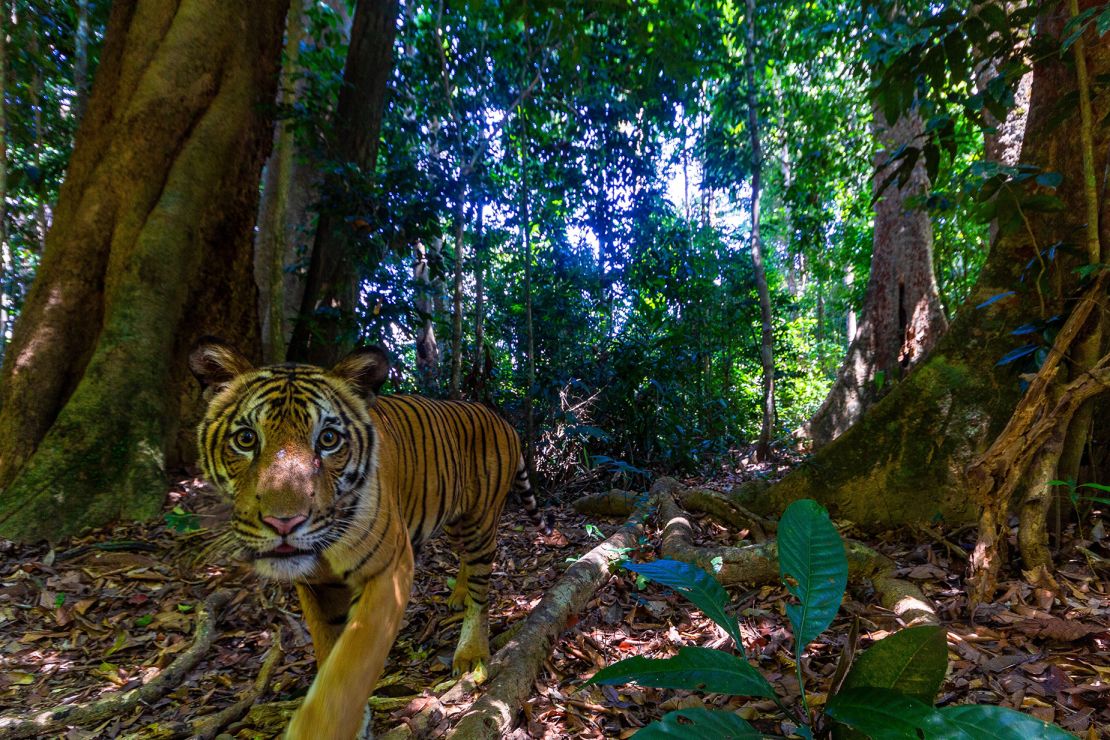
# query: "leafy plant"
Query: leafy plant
{"points": [[888, 692], [182, 521]]}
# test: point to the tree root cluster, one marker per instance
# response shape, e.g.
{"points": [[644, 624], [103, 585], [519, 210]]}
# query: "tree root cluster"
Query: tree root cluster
{"points": [[515, 666]]}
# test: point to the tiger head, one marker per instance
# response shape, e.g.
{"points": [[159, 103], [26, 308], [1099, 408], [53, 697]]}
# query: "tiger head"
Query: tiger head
{"points": [[294, 448]]}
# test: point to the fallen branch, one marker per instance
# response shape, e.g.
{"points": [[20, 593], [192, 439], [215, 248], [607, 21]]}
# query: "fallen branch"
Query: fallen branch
{"points": [[75, 715], [207, 727], [758, 564], [515, 667]]}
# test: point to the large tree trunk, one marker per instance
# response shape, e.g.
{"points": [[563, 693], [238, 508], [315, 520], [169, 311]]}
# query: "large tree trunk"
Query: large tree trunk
{"points": [[906, 458], [326, 329], [902, 317], [150, 248]]}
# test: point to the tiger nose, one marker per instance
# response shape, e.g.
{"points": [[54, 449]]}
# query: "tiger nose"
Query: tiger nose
{"points": [[284, 524]]}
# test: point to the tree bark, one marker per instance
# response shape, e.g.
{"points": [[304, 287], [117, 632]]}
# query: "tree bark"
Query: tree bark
{"points": [[902, 318], [456, 300], [905, 460], [138, 264], [766, 343], [326, 329], [289, 188]]}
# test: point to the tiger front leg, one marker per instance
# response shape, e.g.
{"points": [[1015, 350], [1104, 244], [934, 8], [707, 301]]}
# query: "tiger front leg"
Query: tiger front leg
{"points": [[335, 706]]}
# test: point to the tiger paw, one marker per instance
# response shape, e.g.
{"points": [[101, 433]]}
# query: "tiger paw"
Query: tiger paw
{"points": [[476, 668], [458, 598]]}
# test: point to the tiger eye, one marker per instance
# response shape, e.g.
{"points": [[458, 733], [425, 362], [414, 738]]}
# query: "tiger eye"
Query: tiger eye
{"points": [[329, 439], [245, 439]]}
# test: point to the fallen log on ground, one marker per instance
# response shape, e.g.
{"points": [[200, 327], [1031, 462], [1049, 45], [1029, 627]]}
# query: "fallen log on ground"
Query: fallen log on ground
{"points": [[515, 667]]}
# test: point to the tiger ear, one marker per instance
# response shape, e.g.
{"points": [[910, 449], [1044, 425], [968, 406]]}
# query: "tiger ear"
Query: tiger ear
{"points": [[366, 369], [215, 363]]}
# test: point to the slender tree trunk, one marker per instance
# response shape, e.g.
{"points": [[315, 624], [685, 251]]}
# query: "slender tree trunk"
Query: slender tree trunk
{"points": [[41, 224], [907, 459], [457, 303], [427, 349], [766, 343], [81, 60], [5, 249], [479, 286], [530, 347], [327, 328], [288, 190], [902, 318], [138, 264]]}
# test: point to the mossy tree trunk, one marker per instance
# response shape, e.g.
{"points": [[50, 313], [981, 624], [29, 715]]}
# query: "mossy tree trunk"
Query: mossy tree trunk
{"points": [[907, 458], [150, 248]]}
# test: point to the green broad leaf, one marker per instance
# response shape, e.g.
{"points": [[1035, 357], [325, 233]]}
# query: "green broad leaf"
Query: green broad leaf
{"points": [[883, 714], [912, 662], [814, 567], [699, 724], [701, 588], [983, 722], [694, 668]]}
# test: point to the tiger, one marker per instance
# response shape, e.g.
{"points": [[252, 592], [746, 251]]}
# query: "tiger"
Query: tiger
{"points": [[335, 487]]}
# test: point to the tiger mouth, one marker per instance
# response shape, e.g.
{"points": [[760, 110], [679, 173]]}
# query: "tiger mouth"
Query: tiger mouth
{"points": [[282, 551]]}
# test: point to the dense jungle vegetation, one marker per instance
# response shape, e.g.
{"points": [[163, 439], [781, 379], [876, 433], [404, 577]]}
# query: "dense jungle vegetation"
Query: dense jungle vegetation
{"points": [[779, 250]]}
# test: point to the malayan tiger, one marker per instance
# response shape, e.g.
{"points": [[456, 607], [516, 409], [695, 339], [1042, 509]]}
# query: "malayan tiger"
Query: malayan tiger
{"points": [[334, 487]]}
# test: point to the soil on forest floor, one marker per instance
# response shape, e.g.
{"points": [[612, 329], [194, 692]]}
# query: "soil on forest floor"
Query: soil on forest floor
{"points": [[107, 612]]}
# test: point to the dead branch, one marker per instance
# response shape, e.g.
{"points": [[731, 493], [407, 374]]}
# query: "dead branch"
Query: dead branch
{"points": [[758, 564], [207, 727], [53, 720], [514, 668]]}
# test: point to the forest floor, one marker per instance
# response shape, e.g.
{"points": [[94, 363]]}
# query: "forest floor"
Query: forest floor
{"points": [[98, 616]]}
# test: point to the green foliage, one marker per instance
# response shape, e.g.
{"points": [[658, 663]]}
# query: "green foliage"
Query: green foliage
{"points": [[699, 724], [182, 521], [887, 693], [912, 662], [702, 589]]}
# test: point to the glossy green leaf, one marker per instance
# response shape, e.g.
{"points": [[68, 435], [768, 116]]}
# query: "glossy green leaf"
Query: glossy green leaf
{"points": [[814, 566], [695, 584], [912, 662], [694, 668], [881, 713], [982, 721], [699, 724]]}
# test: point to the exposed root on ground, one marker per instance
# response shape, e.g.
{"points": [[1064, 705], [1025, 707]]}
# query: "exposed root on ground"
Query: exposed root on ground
{"points": [[56, 719]]}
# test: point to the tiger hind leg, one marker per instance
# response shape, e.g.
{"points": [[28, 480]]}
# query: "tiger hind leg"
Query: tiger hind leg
{"points": [[476, 544]]}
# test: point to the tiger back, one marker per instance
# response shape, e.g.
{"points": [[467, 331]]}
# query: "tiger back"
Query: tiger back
{"points": [[333, 487]]}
